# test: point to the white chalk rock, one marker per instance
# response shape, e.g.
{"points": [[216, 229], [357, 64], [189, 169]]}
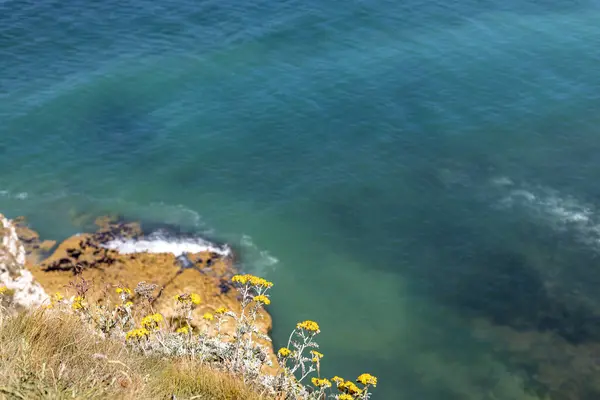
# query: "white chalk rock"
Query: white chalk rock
{"points": [[13, 274]]}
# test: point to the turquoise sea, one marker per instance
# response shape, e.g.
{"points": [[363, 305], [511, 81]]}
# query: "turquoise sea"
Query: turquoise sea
{"points": [[420, 177]]}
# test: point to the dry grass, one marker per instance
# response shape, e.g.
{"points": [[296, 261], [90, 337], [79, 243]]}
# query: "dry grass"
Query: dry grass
{"points": [[47, 355]]}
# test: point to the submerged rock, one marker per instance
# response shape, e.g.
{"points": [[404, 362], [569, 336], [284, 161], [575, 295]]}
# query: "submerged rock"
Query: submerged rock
{"points": [[551, 366]]}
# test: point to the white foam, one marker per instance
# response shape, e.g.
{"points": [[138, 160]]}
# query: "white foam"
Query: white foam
{"points": [[268, 259], [562, 212], [502, 181], [159, 244], [18, 196], [563, 209], [262, 258]]}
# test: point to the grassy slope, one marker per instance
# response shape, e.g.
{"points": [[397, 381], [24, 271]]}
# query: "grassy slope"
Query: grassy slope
{"points": [[45, 355]]}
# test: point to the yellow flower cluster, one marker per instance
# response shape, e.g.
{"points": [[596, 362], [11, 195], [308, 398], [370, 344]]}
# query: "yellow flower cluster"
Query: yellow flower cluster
{"points": [[284, 352], [310, 326], [338, 380], [195, 298], [221, 310], [252, 280], [138, 333], [123, 290], [367, 379], [349, 387], [316, 356], [151, 321], [184, 329], [192, 298], [322, 383], [3, 289], [78, 303], [128, 304], [57, 297], [208, 316], [262, 299]]}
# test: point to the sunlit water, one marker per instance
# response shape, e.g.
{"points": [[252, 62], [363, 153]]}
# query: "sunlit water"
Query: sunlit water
{"points": [[402, 171]]}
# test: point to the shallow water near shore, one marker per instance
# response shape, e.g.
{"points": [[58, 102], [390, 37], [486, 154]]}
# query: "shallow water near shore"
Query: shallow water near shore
{"points": [[418, 177]]}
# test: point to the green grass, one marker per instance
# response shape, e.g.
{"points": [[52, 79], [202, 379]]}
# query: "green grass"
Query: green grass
{"points": [[47, 355]]}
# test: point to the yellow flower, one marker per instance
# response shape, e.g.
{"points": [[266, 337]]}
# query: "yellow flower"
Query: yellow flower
{"points": [[345, 397], [221, 310], [78, 303], [195, 298], [262, 299], [311, 326], [316, 356], [367, 379], [349, 388], [253, 280], [151, 321], [57, 297], [138, 333], [123, 290], [128, 304], [184, 329], [147, 321], [208, 316], [241, 279], [284, 352], [256, 281], [338, 380], [6, 291], [188, 298], [322, 383]]}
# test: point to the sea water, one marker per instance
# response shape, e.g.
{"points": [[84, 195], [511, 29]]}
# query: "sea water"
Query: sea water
{"points": [[406, 172]]}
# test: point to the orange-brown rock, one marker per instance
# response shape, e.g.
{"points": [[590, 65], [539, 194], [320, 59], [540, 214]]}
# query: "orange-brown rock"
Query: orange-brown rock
{"points": [[27, 235], [47, 245], [83, 256]]}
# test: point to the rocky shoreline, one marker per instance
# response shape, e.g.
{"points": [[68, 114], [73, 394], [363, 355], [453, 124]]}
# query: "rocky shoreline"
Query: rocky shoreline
{"points": [[90, 256]]}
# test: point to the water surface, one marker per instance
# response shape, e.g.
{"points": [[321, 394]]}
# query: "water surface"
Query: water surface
{"points": [[418, 177]]}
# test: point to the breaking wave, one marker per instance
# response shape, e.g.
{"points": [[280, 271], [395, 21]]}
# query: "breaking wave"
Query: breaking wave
{"points": [[159, 242]]}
